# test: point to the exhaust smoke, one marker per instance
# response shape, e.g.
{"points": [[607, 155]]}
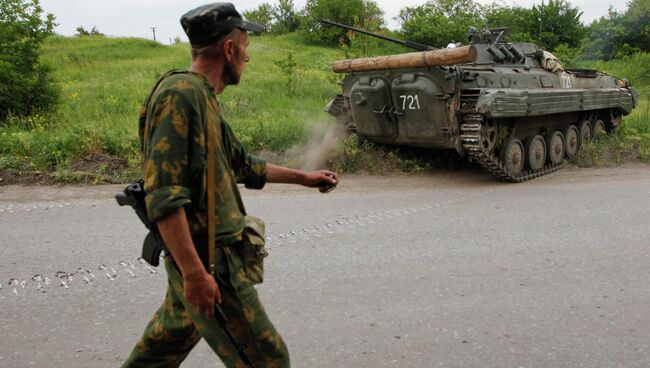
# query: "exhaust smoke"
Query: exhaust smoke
{"points": [[323, 145]]}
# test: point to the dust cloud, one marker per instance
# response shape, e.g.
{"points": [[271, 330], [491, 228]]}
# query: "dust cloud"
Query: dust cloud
{"points": [[322, 146]]}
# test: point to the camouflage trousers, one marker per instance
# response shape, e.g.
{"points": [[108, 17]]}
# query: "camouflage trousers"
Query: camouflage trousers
{"points": [[176, 327]]}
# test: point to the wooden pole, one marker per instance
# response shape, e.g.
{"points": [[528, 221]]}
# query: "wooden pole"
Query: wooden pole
{"points": [[440, 57]]}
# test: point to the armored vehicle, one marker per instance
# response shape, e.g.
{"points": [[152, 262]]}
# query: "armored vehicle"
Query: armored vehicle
{"points": [[510, 107]]}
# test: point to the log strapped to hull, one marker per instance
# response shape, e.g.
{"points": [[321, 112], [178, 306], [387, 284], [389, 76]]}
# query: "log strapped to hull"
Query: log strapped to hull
{"points": [[431, 58]]}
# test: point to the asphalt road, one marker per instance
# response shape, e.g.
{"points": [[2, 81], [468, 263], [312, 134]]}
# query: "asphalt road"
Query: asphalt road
{"points": [[451, 270]]}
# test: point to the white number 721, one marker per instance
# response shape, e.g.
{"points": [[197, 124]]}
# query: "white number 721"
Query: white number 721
{"points": [[413, 102]]}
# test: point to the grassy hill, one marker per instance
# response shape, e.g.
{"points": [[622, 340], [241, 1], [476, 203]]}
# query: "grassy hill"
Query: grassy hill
{"points": [[105, 80], [92, 134]]}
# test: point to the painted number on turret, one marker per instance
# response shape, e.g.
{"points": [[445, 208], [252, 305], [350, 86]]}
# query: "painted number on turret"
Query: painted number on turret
{"points": [[410, 102]]}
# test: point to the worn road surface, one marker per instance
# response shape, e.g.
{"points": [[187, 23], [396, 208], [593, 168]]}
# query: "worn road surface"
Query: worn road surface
{"points": [[449, 270]]}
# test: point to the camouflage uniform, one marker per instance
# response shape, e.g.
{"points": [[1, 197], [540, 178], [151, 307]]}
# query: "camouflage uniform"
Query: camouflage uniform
{"points": [[173, 130]]}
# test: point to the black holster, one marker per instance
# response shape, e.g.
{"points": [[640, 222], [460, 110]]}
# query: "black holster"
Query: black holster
{"points": [[153, 246]]}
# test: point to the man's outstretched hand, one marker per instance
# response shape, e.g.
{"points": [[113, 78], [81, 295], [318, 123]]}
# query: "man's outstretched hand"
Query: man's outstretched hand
{"points": [[324, 180]]}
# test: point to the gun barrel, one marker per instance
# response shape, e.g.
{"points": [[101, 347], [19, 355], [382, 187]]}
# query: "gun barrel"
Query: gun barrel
{"points": [[409, 44]]}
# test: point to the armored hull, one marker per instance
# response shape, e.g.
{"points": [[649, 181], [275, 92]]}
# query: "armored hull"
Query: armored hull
{"points": [[513, 108]]}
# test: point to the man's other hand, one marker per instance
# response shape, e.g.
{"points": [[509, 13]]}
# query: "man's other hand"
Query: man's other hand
{"points": [[202, 291]]}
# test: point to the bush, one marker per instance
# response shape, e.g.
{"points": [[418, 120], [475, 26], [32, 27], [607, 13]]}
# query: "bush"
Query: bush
{"points": [[94, 32], [437, 23], [286, 19], [26, 86], [278, 19], [567, 55], [440, 22], [361, 13], [263, 15]]}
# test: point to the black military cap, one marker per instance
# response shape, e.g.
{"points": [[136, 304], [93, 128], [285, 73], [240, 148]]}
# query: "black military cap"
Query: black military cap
{"points": [[209, 23]]}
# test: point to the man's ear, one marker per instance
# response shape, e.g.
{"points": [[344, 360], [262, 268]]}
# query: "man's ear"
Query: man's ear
{"points": [[229, 49]]}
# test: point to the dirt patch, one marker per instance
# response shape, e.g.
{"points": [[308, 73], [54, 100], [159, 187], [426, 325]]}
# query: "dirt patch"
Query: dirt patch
{"points": [[95, 169], [105, 165], [10, 177], [608, 155]]}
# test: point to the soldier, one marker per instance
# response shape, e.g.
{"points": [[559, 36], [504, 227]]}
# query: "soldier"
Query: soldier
{"points": [[174, 125]]}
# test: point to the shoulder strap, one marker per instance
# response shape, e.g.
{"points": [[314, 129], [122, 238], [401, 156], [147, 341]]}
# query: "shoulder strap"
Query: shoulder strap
{"points": [[143, 113], [212, 141]]}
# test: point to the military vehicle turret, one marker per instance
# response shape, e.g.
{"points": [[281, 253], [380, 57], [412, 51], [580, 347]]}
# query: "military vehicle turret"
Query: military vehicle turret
{"points": [[510, 107]]}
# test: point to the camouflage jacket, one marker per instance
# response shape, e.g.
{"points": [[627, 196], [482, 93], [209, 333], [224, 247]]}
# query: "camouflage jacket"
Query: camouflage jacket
{"points": [[174, 124]]}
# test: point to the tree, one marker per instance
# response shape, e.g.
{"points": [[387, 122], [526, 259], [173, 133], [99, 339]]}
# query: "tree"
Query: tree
{"points": [[603, 36], [81, 31], [361, 13], [555, 23], [637, 24], [263, 15], [619, 33], [26, 85], [285, 17], [514, 18], [439, 22]]}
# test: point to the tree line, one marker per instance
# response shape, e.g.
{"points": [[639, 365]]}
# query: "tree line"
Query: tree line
{"points": [[26, 85], [551, 24]]}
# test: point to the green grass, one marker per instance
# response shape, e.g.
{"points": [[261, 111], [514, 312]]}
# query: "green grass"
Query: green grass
{"points": [[631, 142], [105, 80]]}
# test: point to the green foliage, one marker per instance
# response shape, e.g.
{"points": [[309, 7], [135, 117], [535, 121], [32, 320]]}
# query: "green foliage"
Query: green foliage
{"points": [[277, 19], [636, 68], [26, 85], [602, 36], [105, 80], [637, 24], [288, 67], [554, 23], [356, 155], [356, 45], [262, 15], [361, 13], [94, 32], [568, 55], [619, 34], [285, 16], [515, 18], [631, 142], [439, 22]]}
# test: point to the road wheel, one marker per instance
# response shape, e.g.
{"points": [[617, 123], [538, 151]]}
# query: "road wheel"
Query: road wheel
{"points": [[599, 128], [535, 152], [585, 132], [554, 148], [571, 141], [512, 155], [489, 135]]}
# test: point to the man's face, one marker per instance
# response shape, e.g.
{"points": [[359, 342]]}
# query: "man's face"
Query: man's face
{"points": [[233, 70]]}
